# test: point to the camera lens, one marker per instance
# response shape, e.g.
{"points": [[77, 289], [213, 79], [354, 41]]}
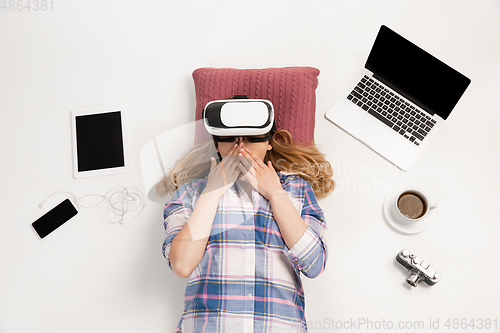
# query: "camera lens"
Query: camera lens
{"points": [[413, 279]]}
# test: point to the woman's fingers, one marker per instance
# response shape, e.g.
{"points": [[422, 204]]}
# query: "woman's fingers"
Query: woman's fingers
{"points": [[262, 176], [257, 164], [213, 163], [231, 163], [234, 150], [234, 161], [250, 176], [225, 166], [224, 174], [232, 156], [246, 161]]}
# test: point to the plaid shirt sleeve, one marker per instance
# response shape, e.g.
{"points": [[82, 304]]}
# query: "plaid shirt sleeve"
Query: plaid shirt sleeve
{"points": [[178, 211], [309, 254]]}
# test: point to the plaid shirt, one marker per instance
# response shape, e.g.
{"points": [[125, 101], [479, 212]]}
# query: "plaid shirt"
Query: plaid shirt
{"points": [[248, 280]]}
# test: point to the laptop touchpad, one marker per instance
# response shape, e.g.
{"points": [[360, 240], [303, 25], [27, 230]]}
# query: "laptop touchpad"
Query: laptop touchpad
{"points": [[373, 133]]}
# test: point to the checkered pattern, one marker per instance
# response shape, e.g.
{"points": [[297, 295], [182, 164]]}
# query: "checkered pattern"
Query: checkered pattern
{"points": [[248, 280]]}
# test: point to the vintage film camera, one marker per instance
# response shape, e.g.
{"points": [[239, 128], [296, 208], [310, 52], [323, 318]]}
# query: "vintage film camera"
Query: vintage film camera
{"points": [[420, 270]]}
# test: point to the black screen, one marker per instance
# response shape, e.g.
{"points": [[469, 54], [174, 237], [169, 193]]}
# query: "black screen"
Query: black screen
{"points": [[415, 74], [99, 141], [54, 218]]}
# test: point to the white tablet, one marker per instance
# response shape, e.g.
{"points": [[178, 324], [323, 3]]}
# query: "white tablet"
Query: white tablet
{"points": [[99, 140]]}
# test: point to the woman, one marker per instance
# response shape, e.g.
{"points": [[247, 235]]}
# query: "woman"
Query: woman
{"points": [[242, 232]]}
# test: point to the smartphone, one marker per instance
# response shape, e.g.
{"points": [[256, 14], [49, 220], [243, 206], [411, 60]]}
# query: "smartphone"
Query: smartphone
{"points": [[54, 218]]}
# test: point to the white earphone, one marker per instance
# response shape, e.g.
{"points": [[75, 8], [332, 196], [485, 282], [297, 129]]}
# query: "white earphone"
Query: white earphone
{"points": [[121, 201]]}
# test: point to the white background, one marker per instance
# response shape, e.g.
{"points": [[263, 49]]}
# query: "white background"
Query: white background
{"points": [[93, 276]]}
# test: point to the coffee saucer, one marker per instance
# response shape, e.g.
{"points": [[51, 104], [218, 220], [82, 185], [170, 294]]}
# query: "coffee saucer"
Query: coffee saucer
{"points": [[397, 221]]}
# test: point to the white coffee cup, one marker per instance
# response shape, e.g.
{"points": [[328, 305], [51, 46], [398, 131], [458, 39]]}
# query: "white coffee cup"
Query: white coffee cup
{"points": [[412, 205]]}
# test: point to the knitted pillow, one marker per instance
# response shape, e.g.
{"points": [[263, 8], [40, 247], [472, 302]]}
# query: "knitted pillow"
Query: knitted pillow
{"points": [[292, 90]]}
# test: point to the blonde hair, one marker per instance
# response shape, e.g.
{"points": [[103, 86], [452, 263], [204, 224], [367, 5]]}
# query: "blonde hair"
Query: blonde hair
{"points": [[304, 160]]}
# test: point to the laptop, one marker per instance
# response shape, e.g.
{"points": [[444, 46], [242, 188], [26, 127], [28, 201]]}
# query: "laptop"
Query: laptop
{"points": [[404, 95]]}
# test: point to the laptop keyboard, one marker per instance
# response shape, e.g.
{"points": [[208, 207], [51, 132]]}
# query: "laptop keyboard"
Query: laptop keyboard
{"points": [[391, 110]]}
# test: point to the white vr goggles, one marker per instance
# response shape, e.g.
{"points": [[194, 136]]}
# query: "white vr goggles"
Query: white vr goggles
{"points": [[239, 117]]}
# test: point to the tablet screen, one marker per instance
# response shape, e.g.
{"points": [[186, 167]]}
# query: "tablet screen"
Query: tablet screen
{"points": [[99, 141]]}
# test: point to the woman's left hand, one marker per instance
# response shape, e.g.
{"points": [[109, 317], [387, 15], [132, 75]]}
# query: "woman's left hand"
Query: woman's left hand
{"points": [[261, 176]]}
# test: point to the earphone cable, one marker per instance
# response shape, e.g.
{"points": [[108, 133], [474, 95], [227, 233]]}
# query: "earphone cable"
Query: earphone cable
{"points": [[121, 201]]}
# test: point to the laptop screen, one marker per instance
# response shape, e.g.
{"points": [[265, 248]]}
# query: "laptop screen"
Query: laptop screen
{"points": [[415, 74]]}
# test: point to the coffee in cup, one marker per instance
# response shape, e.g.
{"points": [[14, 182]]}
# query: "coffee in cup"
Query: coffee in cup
{"points": [[412, 205]]}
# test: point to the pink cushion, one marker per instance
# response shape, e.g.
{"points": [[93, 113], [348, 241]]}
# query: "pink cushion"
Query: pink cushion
{"points": [[292, 90]]}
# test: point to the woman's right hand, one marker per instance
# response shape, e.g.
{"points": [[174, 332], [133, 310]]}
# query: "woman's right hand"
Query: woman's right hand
{"points": [[223, 175]]}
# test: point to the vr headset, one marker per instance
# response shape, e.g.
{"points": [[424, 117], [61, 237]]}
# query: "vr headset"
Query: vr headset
{"points": [[240, 116]]}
